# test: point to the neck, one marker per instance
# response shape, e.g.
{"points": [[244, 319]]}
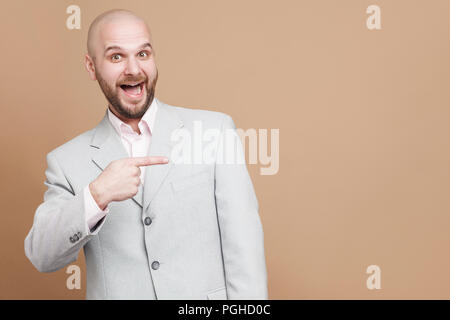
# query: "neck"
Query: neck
{"points": [[133, 123]]}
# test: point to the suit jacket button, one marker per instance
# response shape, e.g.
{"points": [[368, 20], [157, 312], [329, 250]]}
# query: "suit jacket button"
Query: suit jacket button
{"points": [[75, 237], [79, 234], [155, 265], [147, 221], [72, 240]]}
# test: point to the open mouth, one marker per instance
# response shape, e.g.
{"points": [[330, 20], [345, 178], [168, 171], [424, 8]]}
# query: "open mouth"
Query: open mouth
{"points": [[133, 90]]}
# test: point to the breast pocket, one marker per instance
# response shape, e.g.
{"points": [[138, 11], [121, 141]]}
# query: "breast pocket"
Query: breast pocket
{"points": [[191, 182]]}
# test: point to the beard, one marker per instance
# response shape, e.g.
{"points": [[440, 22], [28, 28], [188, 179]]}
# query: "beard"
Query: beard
{"points": [[129, 110]]}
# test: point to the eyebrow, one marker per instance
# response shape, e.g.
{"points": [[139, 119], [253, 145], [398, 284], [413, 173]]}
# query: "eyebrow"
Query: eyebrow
{"points": [[147, 44]]}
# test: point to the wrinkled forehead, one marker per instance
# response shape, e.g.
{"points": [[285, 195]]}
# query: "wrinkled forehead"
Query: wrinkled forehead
{"points": [[127, 34]]}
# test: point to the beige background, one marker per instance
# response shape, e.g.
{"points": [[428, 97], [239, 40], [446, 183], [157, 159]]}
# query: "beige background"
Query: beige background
{"points": [[363, 116]]}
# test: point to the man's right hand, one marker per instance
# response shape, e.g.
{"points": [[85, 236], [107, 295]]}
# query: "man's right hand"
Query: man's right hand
{"points": [[120, 179]]}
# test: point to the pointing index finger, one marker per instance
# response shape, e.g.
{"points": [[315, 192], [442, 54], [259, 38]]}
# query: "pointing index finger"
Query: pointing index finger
{"points": [[147, 161]]}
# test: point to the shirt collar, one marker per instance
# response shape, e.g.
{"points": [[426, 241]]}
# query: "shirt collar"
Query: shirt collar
{"points": [[147, 121]]}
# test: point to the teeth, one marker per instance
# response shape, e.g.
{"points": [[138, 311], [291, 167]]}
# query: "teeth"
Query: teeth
{"points": [[134, 89]]}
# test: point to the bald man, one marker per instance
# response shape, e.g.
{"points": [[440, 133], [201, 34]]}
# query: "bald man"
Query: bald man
{"points": [[152, 223]]}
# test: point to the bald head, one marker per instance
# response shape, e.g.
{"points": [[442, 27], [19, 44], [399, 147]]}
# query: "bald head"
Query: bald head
{"points": [[121, 57], [98, 30]]}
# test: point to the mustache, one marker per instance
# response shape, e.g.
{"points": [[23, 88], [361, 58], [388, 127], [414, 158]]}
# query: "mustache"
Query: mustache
{"points": [[132, 80]]}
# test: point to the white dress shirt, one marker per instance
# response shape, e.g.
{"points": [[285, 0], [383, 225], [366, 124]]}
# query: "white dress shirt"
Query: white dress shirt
{"points": [[136, 145]]}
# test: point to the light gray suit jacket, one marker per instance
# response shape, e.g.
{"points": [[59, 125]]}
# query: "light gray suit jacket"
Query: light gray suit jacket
{"points": [[205, 240]]}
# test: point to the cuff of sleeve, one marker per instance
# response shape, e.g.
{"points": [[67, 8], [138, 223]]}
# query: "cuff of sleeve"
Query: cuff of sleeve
{"points": [[93, 214]]}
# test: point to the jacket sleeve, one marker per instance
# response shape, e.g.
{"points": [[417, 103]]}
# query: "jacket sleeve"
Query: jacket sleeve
{"points": [[239, 222], [59, 226]]}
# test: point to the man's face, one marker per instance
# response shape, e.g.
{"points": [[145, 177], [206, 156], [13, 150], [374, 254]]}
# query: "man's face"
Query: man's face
{"points": [[125, 67]]}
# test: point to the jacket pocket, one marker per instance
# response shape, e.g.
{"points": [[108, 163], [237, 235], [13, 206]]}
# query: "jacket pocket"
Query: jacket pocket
{"points": [[217, 294]]}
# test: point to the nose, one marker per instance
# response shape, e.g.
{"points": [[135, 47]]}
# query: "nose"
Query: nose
{"points": [[132, 67]]}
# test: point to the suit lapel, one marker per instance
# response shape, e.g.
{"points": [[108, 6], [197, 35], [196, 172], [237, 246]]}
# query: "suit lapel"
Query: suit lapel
{"points": [[161, 145], [107, 147]]}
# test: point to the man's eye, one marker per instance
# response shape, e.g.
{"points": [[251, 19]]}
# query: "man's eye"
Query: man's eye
{"points": [[143, 54], [115, 57]]}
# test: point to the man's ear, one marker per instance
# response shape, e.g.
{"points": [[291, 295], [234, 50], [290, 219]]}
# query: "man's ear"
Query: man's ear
{"points": [[90, 67]]}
